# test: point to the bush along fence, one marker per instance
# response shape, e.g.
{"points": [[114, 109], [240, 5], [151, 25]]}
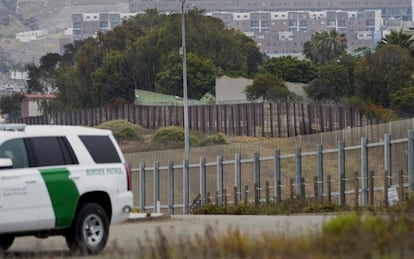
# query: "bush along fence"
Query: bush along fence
{"points": [[246, 119], [377, 184]]}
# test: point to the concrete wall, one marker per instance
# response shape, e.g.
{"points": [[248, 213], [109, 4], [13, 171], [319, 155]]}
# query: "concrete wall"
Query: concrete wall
{"points": [[230, 90]]}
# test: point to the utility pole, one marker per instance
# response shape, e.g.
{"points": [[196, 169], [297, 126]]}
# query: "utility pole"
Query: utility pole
{"points": [[184, 56]]}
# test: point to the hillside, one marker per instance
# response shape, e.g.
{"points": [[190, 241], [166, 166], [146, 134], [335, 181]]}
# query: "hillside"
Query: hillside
{"points": [[53, 16]]}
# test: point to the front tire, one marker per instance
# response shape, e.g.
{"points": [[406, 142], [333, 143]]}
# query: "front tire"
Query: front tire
{"points": [[6, 241], [90, 230]]}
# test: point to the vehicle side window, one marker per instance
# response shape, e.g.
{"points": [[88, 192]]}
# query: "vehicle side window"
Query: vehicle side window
{"points": [[48, 151], [16, 150], [101, 149]]}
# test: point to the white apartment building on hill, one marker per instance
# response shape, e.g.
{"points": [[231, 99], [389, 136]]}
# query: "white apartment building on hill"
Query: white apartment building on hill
{"points": [[85, 25], [276, 33], [390, 9], [284, 33]]}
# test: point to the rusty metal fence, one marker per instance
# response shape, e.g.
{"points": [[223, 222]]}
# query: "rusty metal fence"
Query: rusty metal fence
{"points": [[247, 119]]}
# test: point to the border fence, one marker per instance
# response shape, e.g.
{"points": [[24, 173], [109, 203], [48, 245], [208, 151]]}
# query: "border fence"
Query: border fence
{"points": [[247, 119], [377, 170]]}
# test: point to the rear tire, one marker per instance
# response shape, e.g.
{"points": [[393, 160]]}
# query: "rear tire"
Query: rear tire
{"points": [[6, 241], [90, 230]]}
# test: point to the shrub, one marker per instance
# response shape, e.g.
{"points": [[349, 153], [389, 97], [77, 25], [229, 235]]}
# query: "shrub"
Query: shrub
{"points": [[322, 207], [240, 209], [372, 234], [171, 137], [122, 129], [285, 207], [214, 139], [378, 113]]}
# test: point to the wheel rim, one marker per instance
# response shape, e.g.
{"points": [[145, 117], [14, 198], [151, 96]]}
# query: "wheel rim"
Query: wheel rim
{"points": [[93, 230]]}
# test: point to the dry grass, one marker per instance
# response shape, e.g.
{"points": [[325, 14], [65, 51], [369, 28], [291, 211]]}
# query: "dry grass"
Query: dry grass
{"points": [[347, 236]]}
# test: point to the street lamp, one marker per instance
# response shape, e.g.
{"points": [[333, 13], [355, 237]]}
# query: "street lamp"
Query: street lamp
{"points": [[184, 56], [186, 175]]}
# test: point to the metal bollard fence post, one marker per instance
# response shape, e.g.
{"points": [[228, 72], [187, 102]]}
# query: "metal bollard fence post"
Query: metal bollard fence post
{"points": [[267, 193], [386, 189], [279, 192], [225, 197], [246, 193], [156, 186], [303, 189], [208, 199], [236, 195], [315, 189], [342, 197], [401, 184], [329, 188], [371, 188], [142, 187], [256, 195], [170, 187], [356, 187]]}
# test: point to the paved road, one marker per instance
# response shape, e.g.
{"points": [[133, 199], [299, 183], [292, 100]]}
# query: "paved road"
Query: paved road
{"points": [[125, 237]]}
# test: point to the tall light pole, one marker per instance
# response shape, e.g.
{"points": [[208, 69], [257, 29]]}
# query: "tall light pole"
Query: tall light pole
{"points": [[184, 56]]}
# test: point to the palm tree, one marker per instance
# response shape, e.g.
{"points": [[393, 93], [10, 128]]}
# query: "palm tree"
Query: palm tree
{"points": [[325, 47], [400, 38]]}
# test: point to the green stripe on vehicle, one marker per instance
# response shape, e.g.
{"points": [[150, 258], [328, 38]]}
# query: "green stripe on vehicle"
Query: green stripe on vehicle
{"points": [[63, 194]]}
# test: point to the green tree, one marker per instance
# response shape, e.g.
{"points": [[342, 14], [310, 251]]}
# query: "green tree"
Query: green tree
{"points": [[143, 53], [382, 73], [170, 79], [399, 38], [88, 59], [331, 84], [290, 69], [10, 105], [69, 90], [253, 57], [144, 60], [201, 77], [325, 47], [349, 62], [402, 101], [35, 75], [231, 50], [69, 55], [41, 76], [111, 78], [268, 87]]}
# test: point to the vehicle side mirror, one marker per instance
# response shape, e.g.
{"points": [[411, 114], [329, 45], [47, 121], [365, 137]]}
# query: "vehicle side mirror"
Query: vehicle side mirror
{"points": [[6, 163]]}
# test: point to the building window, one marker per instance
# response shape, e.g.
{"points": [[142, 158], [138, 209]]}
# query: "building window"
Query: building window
{"points": [[341, 24], [370, 23], [293, 23]]}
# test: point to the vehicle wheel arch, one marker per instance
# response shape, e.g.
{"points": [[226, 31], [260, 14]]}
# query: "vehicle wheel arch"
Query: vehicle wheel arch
{"points": [[98, 197]]}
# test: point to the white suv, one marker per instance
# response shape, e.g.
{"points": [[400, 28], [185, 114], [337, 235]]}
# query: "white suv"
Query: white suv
{"points": [[62, 180]]}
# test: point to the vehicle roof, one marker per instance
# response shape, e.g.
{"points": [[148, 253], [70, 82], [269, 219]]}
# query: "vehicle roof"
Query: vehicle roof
{"points": [[47, 130]]}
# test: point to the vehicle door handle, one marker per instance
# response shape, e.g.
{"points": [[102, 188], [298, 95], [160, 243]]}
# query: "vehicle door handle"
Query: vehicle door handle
{"points": [[30, 181], [74, 177]]}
